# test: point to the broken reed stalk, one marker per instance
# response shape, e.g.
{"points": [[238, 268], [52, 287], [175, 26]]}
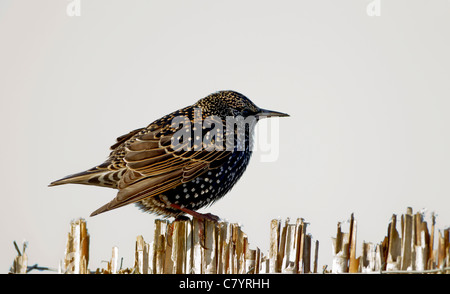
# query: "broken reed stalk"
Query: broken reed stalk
{"points": [[20, 263], [196, 247], [179, 248], [290, 248], [410, 251], [76, 258]]}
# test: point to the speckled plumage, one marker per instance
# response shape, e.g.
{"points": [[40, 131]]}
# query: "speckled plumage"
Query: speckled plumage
{"points": [[149, 169]]}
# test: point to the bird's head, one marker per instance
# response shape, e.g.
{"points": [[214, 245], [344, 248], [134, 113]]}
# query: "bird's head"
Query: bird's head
{"points": [[232, 103]]}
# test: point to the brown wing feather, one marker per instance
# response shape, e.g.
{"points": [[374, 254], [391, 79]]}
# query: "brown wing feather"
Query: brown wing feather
{"points": [[153, 167], [125, 138], [140, 190]]}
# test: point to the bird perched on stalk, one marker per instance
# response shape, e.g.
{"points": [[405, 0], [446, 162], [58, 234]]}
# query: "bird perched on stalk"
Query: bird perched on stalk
{"points": [[181, 162]]}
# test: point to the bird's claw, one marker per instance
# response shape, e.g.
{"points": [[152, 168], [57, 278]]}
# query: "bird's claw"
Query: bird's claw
{"points": [[209, 216]]}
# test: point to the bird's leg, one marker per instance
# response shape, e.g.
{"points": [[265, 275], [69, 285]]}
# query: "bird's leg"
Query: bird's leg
{"points": [[201, 217]]}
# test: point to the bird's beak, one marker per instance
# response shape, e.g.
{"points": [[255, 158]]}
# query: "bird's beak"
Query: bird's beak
{"points": [[270, 113]]}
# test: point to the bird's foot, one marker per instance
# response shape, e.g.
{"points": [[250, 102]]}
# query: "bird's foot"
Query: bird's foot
{"points": [[182, 218], [197, 215], [201, 217], [208, 216]]}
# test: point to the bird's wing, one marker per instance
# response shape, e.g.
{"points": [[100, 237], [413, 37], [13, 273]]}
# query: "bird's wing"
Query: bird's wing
{"points": [[107, 173], [122, 139], [154, 165]]}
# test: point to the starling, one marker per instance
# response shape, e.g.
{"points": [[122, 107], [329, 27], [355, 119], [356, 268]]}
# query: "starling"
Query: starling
{"points": [[170, 177]]}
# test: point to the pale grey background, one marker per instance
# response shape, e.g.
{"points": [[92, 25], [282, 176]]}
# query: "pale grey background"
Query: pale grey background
{"points": [[368, 99]]}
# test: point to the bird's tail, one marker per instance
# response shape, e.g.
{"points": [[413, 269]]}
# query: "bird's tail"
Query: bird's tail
{"points": [[95, 176]]}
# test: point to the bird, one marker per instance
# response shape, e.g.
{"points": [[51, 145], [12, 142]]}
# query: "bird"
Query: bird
{"points": [[169, 177]]}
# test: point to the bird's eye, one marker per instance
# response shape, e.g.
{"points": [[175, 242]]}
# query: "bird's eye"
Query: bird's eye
{"points": [[246, 112]]}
